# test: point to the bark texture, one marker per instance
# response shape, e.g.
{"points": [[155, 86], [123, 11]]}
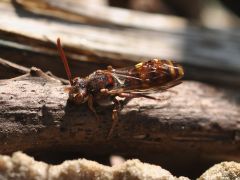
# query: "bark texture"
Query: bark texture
{"points": [[197, 119]]}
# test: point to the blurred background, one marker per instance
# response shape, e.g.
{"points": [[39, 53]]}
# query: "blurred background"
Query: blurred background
{"points": [[203, 36], [213, 14]]}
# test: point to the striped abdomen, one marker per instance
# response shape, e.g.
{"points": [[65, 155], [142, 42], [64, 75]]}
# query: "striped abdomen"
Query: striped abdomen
{"points": [[153, 73]]}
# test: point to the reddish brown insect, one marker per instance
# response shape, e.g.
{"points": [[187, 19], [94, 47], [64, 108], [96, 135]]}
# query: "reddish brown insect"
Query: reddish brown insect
{"points": [[131, 82]]}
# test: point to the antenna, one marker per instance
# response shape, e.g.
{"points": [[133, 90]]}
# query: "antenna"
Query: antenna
{"points": [[64, 60]]}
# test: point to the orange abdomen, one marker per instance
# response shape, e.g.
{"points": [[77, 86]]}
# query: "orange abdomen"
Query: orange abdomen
{"points": [[154, 73]]}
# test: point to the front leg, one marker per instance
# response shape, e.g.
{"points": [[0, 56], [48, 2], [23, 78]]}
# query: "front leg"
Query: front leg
{"points": [[90, 105]]}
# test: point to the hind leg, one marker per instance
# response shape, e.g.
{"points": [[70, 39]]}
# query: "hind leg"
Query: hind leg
{"points": [[119, 104]]}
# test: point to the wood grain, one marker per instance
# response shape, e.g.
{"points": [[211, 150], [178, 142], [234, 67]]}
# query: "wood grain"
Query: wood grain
{"points": [[198, 120]]}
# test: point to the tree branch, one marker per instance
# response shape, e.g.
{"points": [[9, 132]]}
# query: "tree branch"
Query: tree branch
{"points": [[9, 69], [35, 114]]}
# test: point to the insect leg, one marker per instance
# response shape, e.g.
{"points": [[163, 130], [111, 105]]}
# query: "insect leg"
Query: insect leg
{"points": [[117, 108], [111, 92], [129, 96], [135, 95], [90, 105], [120, 93]]}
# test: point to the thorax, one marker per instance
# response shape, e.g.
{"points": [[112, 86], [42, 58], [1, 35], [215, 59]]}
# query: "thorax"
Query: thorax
{"points": [[99, 80]]}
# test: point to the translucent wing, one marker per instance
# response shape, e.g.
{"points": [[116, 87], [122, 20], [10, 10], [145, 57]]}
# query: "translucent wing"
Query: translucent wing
{"points": [[154, 75]]}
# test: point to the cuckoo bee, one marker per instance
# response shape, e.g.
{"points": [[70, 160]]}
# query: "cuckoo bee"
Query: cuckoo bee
{"points": [[130, 82]]}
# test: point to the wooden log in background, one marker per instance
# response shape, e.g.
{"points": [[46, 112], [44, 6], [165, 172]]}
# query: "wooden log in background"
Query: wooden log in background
{"points": [[198, 121], [207, 55]]}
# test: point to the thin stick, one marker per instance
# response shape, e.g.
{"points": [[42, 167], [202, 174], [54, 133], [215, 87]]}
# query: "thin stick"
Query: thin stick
{"points": [[64, 60]]}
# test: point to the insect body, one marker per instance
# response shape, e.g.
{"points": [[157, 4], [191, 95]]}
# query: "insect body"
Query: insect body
{"points": [[153, 74], [130, 82]]}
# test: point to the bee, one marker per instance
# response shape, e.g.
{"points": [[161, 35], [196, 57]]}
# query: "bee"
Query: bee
{"points": [[130, 82]]}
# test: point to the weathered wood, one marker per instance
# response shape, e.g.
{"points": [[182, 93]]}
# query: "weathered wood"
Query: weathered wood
{"points": [[11, 70], [104, 15], [198, 120], [207, 55]]}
